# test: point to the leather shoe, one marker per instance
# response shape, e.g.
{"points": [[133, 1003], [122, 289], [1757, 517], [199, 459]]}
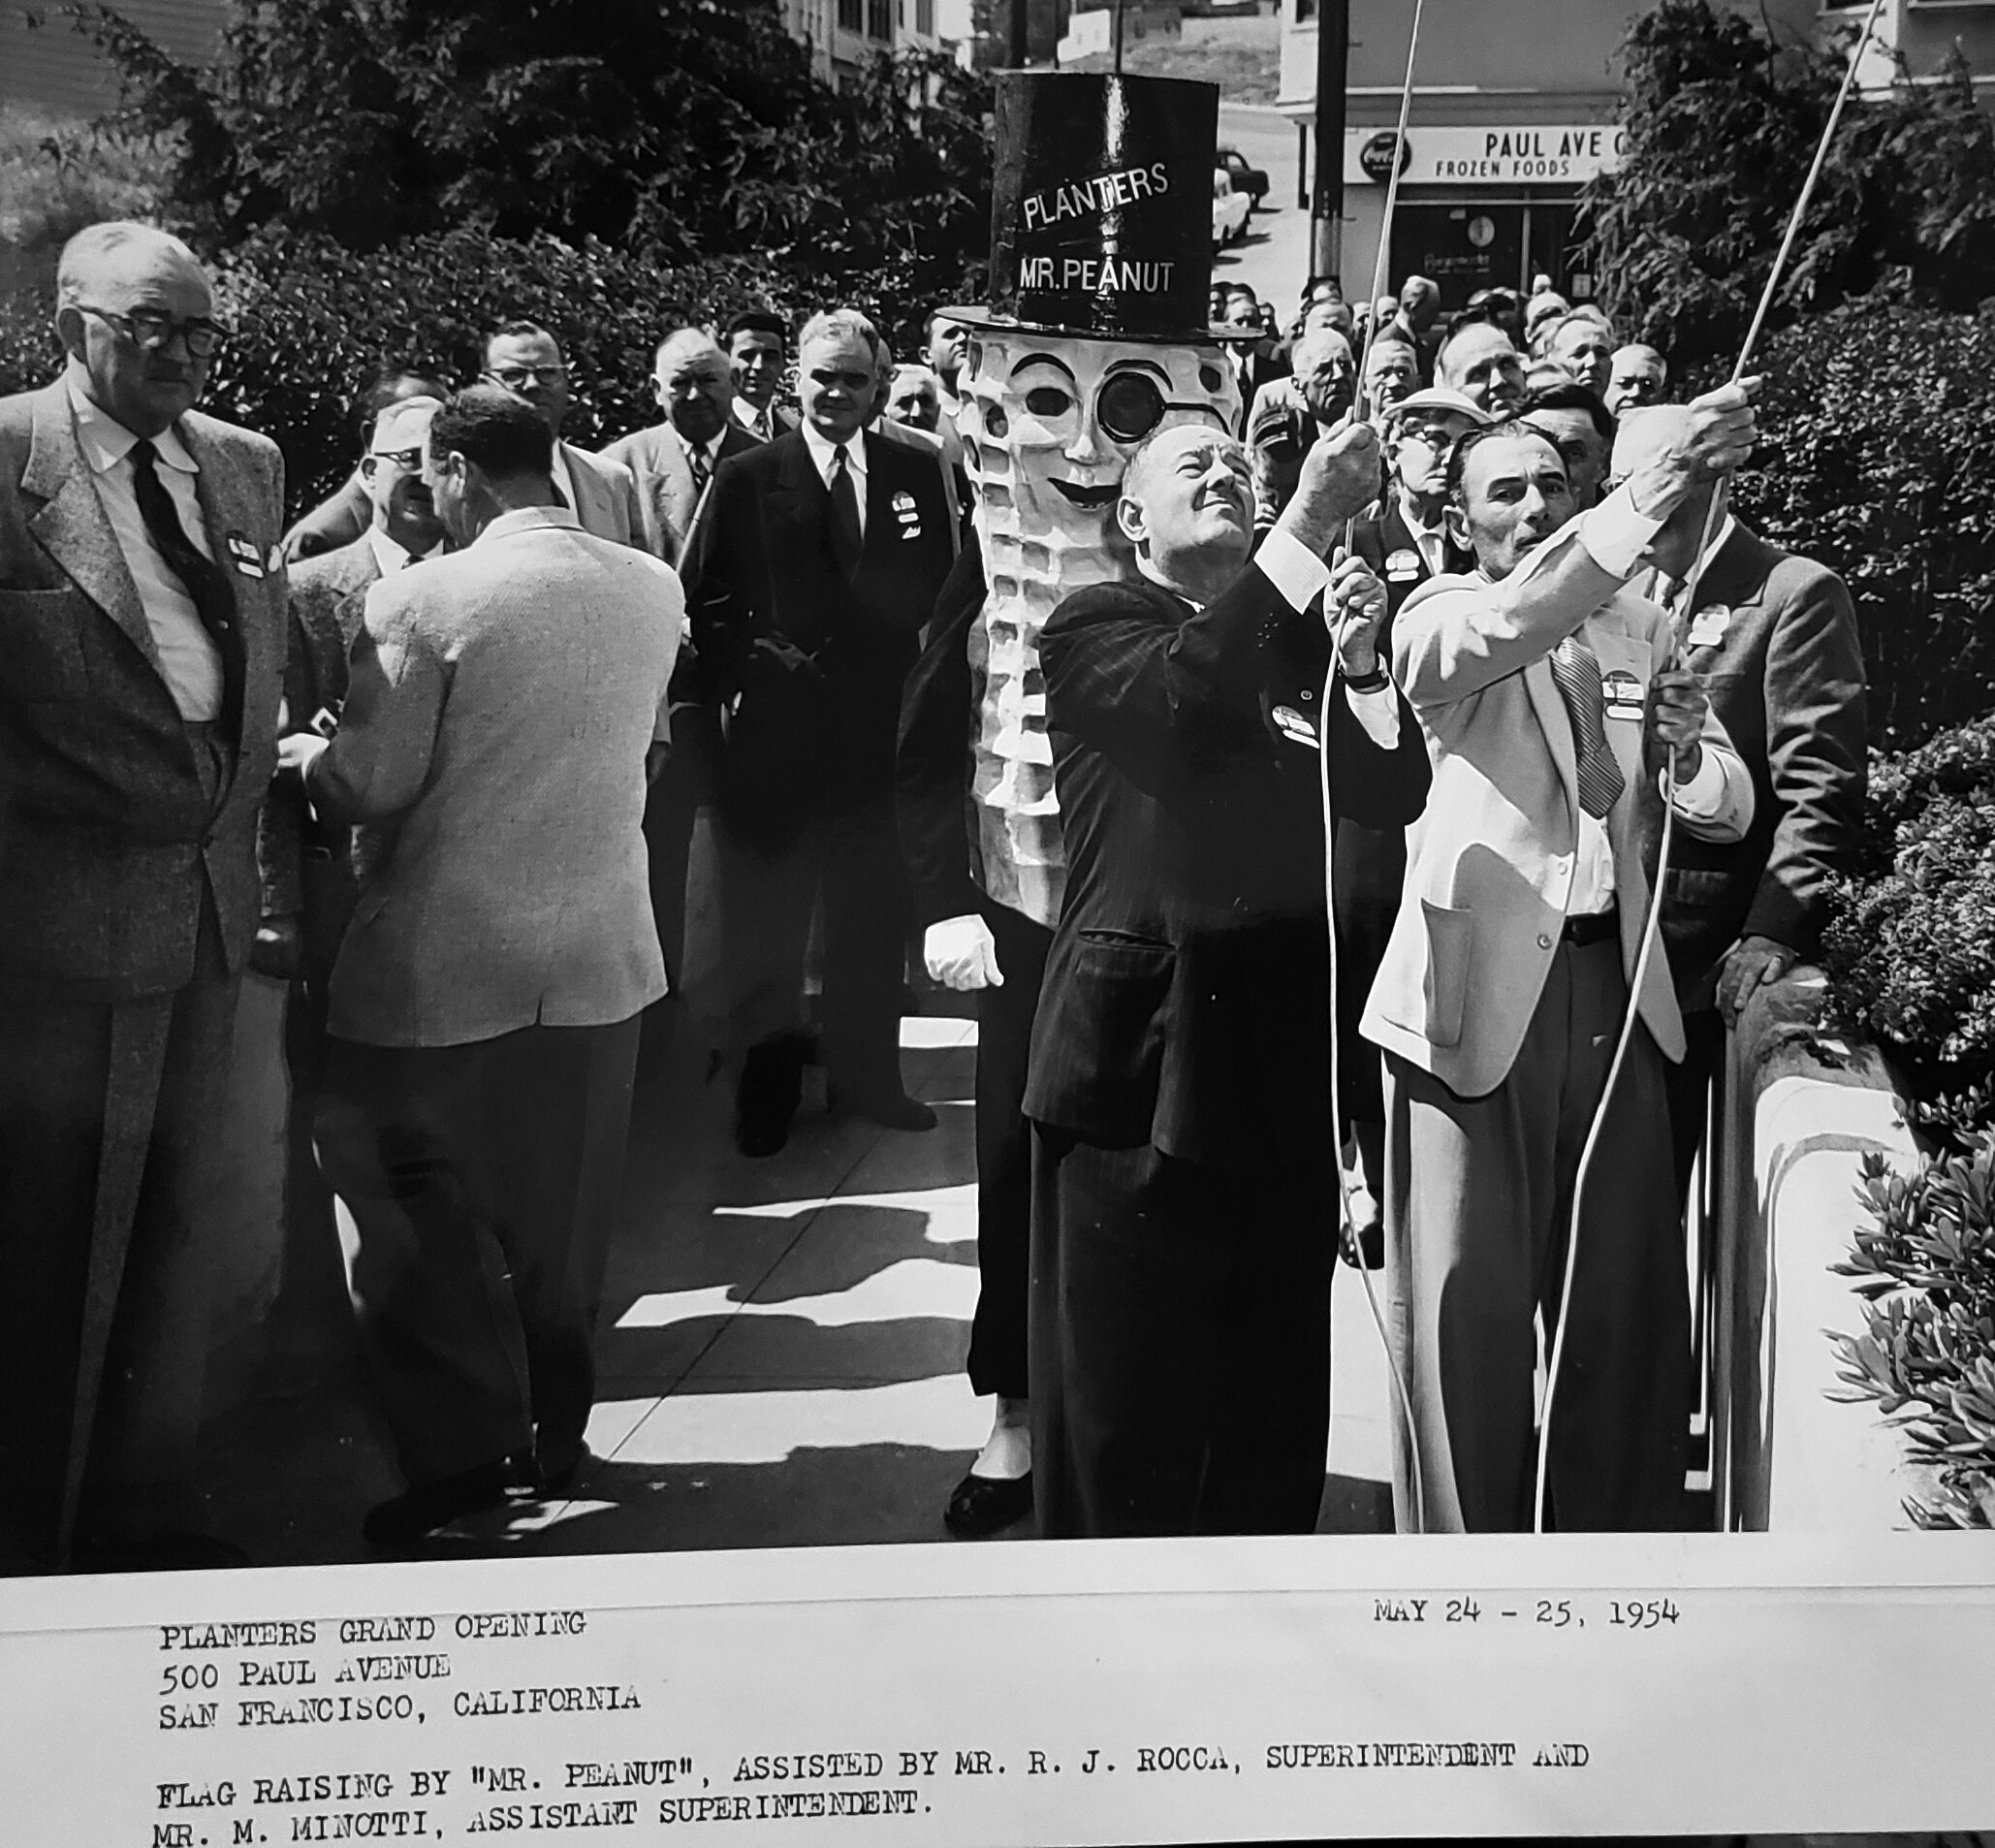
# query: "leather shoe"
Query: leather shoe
{"points": [[981, 1505], [892, 1111], [771, 1086], [429, 1506]]}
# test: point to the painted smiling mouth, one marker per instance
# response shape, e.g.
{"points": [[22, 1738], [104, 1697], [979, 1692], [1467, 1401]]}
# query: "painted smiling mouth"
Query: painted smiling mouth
{"points": [[1082, 495]]}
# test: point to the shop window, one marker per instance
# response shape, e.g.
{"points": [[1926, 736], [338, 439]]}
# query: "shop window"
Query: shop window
{"points": [[851, 15], [925, 18], [879, 20]]}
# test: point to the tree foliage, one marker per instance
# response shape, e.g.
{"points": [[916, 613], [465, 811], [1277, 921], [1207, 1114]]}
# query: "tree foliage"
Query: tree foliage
{"points": [[1721, 125], [682, 130]]}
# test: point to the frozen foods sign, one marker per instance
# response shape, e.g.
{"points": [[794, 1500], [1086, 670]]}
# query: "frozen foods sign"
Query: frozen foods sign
{"points": [[1496, 155]]}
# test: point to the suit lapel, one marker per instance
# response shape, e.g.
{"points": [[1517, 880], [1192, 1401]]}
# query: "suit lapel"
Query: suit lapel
{"points": [[73, 525], [591, 505], [1557, 725]]}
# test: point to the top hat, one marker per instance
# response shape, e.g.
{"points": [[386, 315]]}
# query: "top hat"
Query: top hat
{"points": [[1101, 207]]}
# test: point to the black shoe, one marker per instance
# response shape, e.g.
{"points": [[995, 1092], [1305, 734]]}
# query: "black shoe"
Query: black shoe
{"points": [[551, 1482], [771, 1086], [893, 1110], [429, 1506], [161, 1552], [981, 1505]]}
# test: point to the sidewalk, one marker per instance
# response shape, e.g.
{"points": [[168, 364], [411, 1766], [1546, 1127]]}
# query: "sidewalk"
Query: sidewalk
{"points": [[781, 1356]]}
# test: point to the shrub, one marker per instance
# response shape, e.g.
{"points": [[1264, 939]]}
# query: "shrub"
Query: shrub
{"points": [[1722, 123], [55, 177], [1926, 1270], [1907, 951], [1877, 460], [313, 321]]}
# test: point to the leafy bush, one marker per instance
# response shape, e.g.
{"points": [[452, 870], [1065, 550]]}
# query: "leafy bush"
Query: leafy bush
{"points": [[1909, 952], [681, 129], [1876, 462], [1926, 1270], [1722, 123], [314, 320], [55, 177]]}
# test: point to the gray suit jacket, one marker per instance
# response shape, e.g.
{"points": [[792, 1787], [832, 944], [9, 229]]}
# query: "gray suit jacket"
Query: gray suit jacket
{"points": [[606, 497], [110, 843], [500, 706], [665, 481]]}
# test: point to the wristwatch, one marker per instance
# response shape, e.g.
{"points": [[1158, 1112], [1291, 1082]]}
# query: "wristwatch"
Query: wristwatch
{"points": [[1376, 682]]}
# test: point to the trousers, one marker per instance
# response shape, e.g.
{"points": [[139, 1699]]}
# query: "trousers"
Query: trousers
{"points": [[111, 1123], [1477, 1208], [998, 1334], [483, 1182], [1180, 1343]]}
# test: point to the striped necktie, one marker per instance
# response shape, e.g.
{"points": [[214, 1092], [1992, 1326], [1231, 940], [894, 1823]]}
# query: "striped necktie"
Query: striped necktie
{"points": [[696, 460], [1576, 672]]}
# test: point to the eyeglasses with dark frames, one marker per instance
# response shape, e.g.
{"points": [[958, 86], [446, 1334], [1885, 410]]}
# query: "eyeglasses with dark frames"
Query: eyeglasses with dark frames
{"points": [[516, 377], [152, 329]]}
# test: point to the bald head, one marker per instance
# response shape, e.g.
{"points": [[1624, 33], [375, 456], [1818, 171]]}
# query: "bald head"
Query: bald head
{"points": [[694, 384], [1637, 374], [132, 305], [1420, 301], [1324, 373]]}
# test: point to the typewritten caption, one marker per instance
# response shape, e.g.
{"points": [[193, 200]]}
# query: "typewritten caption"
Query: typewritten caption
{"points": [[327, 1729]]}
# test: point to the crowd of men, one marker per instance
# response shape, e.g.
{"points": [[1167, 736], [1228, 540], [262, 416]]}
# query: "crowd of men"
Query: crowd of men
{"points": [[507, 741]]}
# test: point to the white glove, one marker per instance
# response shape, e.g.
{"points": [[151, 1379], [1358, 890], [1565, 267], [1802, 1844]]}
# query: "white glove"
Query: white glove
{"points": [[961, 954]]}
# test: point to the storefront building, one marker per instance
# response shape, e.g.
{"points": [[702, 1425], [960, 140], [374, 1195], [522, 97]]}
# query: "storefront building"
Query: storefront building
{"points": [[1513, 111]]}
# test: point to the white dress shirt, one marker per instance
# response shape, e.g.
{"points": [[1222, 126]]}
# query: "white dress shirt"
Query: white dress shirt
{"points": [[1432, 541], [1616, 535], [189, 661], [756, 423], [391, 555], [822, 451], [1301, 577]]}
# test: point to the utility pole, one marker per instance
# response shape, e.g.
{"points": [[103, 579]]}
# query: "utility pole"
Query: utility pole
{"points": [[1326, 205], [1116, 29]]}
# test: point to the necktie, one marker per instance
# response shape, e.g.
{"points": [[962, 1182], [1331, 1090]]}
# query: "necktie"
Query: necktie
{"points": [[214, 601], [696, 459], [847, 543], [1576, 672]]}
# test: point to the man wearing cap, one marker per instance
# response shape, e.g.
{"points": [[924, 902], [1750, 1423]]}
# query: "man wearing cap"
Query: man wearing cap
{"points": [[1405, 543], [1547, 695], [1183, 1215], [142, 600], [1774, 639]]}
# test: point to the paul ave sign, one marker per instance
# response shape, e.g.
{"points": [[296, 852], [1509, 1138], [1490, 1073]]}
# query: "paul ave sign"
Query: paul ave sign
{"points": [[1499, 154]]}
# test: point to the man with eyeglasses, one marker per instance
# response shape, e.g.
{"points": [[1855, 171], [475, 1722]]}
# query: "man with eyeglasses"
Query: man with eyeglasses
{"points": [[1182, 1230], [142, 650], [525, 360]]}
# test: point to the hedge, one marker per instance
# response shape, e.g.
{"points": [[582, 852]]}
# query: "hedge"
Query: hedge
{"points": [[312, 322], [1878, 460]]}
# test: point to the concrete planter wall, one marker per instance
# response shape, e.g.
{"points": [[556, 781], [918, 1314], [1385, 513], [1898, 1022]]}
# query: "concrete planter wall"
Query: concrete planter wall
{"points": [[1801, 1116]]}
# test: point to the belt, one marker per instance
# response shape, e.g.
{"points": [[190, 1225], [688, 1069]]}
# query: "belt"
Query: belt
{"points": [[1593, 927]]}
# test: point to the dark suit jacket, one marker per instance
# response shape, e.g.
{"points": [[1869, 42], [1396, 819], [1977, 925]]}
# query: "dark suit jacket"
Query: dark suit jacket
{"points": [[804, 742], [110, 845], [933, 805], [1787, 681], [665, 481], [1187, 995]]}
